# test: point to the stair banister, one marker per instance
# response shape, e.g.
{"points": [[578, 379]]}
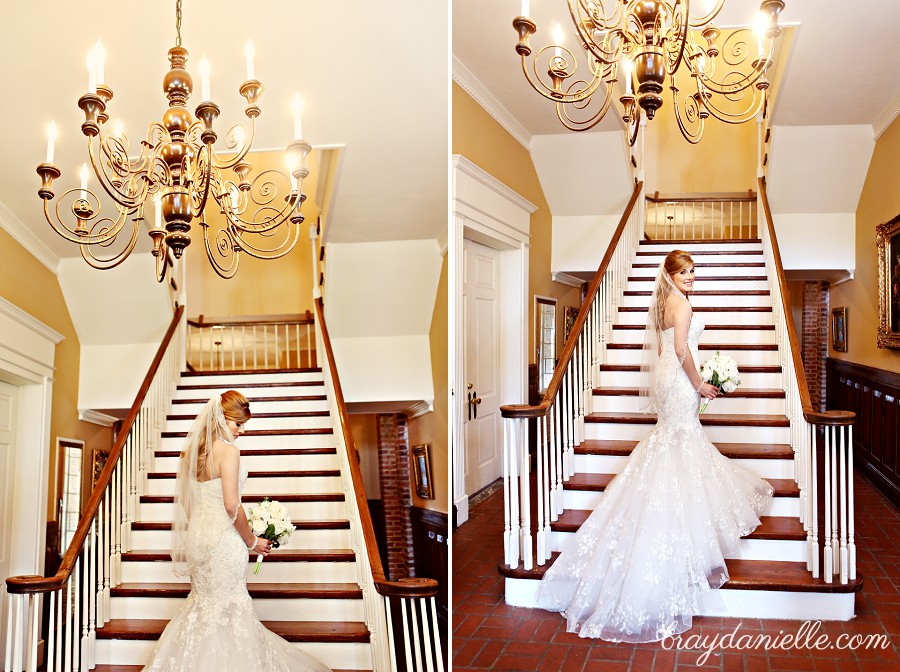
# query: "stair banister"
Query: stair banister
{"points": [[839, 549], [91, 564], [415, 595], [560, 414]]}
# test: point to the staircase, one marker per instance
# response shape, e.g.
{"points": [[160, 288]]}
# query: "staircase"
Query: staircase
{"points": [[770, 576], [306, 592]]}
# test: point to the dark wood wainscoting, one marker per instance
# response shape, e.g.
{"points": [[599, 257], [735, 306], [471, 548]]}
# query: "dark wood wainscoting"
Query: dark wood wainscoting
{"points": [[874, 395], [431, 554]]}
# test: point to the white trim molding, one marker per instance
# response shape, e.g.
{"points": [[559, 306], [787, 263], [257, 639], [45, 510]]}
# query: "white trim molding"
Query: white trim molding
{"points": [[887, 117], [96, 417], [35, 325], [566, 279], [480, 94], [36, 247], [419, 408]]}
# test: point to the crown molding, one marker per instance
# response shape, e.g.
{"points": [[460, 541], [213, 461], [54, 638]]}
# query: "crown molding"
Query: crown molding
{"points": [[480, 94], [96, 417], [27, 239], [419, 408], [887, 116], [566, 279], [475, 171], [35, 325]]}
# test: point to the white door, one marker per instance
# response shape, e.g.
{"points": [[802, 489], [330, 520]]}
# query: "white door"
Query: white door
{"points": [[481, 314], [8, 395]]}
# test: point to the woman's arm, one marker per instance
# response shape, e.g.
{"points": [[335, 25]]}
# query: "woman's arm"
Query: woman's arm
{"points": [[229, 467], [681, 312]]}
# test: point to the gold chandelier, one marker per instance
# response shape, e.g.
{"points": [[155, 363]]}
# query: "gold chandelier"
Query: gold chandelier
{"points": [[651, 39], [177, 169]]}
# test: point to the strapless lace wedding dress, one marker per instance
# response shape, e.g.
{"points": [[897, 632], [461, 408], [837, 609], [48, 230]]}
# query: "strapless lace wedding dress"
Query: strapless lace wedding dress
{"points": [[217, 629], [651, 555]]}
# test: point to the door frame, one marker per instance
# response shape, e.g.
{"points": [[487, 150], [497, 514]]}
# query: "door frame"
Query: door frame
{"points": [[487, 211], [27, 350]]}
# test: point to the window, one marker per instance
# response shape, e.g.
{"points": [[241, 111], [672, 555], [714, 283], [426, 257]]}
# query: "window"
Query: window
{"points": [[71, 455], [545, 322]]}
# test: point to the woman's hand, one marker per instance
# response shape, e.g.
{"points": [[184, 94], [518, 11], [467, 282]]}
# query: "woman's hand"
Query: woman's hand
{"points": [[262, 547], [708, 391]]}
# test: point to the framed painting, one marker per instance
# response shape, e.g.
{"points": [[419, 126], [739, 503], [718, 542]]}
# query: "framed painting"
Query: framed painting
{"points": [[839, 329], [571, 314], [422, 468], [887, 238]]}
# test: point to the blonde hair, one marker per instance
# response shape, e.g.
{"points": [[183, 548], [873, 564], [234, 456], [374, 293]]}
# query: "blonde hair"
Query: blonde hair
{"points": [[235, 407], [673, 263]]}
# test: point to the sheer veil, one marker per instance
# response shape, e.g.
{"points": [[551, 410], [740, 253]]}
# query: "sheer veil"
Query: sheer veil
{"points": [[650, 353], [208, 428]]}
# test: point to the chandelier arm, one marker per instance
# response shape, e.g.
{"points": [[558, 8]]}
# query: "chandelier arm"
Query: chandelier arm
{"points": [[206, 178], [747, 79], [606, 24], [692, 138], [162, 262], [58, 224], [699, 22], [635, 125], [547, 92], [737, 117], [226, 241], [123, 167], [122, 199], [103, 264], [587, 124], [225, 164], [275, 253], [270, 223], [681, 37]]}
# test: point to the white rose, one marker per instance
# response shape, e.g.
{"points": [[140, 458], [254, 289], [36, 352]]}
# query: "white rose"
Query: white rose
{"points": [[729, 387], [258, 526]]}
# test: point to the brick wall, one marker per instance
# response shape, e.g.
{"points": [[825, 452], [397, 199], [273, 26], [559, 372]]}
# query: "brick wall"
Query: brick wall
{"points": [[814, 339], [393, 462]]}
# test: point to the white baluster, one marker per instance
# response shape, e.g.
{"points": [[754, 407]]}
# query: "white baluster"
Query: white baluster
{"points": [[521, 445], [91, 592], [511, 496], [851, 544], [543, 493], [438, 653], [557, 456], [427, 641], [12, 632], [828, 569], [814, 503], [843, 485], [835, 544]]}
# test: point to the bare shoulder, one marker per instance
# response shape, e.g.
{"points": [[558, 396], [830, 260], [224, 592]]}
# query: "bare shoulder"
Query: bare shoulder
{"points": [[678, 309], [225, 452]]}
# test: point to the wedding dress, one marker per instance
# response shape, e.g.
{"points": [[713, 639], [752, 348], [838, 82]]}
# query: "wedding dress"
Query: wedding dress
{"points": [[217, 629], [651, 554]]}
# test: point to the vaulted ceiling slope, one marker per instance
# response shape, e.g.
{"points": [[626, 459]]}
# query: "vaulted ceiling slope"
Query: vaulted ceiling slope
{"points": [[373, 78]]}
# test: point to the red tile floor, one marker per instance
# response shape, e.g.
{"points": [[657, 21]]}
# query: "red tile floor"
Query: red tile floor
{"points": [[488, 634]]}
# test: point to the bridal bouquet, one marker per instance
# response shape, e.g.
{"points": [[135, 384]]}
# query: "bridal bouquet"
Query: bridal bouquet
{"points": [[721, 371], [270, 520]]}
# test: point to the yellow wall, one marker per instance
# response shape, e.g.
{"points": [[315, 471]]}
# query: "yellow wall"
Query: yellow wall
{"points": [[724, 160], [432, 427], [479, 138], [29, 285], [275, 287], [879, 202]]}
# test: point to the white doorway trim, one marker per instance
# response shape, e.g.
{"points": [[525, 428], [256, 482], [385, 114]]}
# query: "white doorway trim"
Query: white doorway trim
{"points": [[489, 212], [27, 350]]}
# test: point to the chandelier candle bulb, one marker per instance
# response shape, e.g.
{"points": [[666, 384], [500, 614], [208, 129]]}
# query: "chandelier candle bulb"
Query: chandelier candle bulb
{"points": [[525, 7], [157, 212], [249, 52], [51, 140], [205, 71], [99, 62], [297, 107], [557, 39], [84, 180], [627, 67], [760, 26]]}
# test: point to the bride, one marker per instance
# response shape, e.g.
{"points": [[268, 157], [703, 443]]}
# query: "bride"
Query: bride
{"points": [[217, 629], [651, 555]]}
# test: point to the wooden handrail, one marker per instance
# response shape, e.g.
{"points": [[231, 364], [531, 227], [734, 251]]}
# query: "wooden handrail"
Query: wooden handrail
{"points": [[411, 587], [736, 196], [250, 320], [541, 409], [40, 584], [809, 413]]}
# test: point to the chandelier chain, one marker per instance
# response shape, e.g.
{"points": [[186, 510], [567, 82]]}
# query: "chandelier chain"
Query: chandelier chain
{"points": [[177, 23]]}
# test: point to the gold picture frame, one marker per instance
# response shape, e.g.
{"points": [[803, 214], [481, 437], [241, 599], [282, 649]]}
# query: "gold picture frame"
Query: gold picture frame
{"points": [[887, 238], [839, 329], [421, 457]]}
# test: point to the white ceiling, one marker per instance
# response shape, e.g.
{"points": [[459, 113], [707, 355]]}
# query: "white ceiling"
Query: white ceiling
{"points": [[854, 83], [374, 79]]}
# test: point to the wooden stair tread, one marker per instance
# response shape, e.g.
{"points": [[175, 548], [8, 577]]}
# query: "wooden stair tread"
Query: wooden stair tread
{"points": [[265, 432], [742, 392], [775, 368], [783, 487], [777, 575], [263, 474], [278, 555], [706, 292], [708, 278], [708, 327], [753, 347], [743, 264], [298, 525], [770, 527], [285, 414], [292, 631], [228, 386], [706, 309], [254, 499], [258, 400], [700, 241], [731, 450], [269, 451], [245, 372], [712, 419], [335, 591]]}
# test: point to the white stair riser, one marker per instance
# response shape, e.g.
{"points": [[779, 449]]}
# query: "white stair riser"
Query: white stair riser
{"points": [[740, 336], [590, 500], [724, 316], [261, 486], [632, 379], [696, 246], [746, 257], [306, 539], [265, 462], [243, 378], [152, 513], [613, 464], [208, 392], [710, 271], [747, 549], [294, 422], [705, 282], [726, 404], [270, 572], [262, 406], [348, 655], [267, 609], [274, 442], [716, 434], [701, 300], [742, 357]]}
